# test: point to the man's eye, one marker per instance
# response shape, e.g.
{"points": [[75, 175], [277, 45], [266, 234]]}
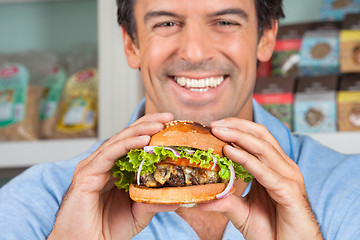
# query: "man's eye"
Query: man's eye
{"points": [[166, 24], [227, 23], [167, 28]]}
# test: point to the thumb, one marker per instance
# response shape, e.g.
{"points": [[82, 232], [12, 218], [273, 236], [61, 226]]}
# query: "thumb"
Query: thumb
{"points": [[143, 212], [233, 207]]}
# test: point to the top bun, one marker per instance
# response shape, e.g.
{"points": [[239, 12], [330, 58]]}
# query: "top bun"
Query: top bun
{"points": [[188, 134]]}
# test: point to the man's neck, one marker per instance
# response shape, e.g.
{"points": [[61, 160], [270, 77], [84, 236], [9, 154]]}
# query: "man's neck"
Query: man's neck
{"points": [[207, 225]]}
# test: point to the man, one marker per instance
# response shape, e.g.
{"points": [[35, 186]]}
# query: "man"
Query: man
{"points": [[198, 61]]}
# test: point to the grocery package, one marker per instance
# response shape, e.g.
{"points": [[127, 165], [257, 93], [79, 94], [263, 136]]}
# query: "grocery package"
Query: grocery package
{"points": [[337, 9], [263, 69], [19, 102], [315, 104], [27, 68], [286, 56], [350, 44], [53, 83], [275, 94], [79, 107], [319, 53], [78, 110], [349, 103]]}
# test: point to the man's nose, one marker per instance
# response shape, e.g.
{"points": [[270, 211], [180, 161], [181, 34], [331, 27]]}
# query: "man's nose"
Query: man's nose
{"points": [[196, 44]]}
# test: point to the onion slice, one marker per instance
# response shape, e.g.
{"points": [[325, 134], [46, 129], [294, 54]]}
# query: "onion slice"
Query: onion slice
{"points": [[176, 153], [215, 162], [150, 149], [229, 186], [189, 151], [139, 172]]}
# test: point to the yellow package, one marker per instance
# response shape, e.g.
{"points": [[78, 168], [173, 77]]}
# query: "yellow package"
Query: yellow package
{"points": [[79, 107]]}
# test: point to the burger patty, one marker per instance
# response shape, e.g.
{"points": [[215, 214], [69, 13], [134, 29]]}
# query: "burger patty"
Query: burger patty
{"points": [[171, 175]]}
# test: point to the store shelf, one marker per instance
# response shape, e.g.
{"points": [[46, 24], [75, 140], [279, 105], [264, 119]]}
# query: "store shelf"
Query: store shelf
{"points": [[33, 1], [344, 142], [24, 154]]}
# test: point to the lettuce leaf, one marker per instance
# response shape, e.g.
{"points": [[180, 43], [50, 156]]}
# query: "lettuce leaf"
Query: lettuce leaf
{"points": [[125, 167]]}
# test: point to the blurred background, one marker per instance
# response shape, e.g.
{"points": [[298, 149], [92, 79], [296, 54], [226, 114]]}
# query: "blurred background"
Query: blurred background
{"points": [[65, 83]]}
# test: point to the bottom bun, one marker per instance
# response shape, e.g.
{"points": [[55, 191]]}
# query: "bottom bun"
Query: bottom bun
{"points": [[177, 195]]}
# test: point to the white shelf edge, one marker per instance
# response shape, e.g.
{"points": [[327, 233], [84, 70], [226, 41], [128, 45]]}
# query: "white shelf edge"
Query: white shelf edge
{"points": [[37, 1], [24, 154], [343, 142]]}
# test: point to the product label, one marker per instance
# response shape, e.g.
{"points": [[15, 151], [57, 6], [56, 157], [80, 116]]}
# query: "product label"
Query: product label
{"points": [[79, 108], [14, 80], [53, 85]]}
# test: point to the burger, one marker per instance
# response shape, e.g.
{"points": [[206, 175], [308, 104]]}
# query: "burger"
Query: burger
{"points": [[183, 164]]}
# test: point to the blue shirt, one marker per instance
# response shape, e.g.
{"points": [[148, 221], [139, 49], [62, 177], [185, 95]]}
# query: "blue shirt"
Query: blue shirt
{"points": [[29, 202]]}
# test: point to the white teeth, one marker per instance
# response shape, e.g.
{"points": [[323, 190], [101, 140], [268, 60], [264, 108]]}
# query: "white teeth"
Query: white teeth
{"points": [[199, 85]]}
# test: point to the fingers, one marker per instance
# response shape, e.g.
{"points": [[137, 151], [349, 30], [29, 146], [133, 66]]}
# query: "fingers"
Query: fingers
{"points": [[148, 124], [143, 213], [95, 169], [256, 140], [266, 176], [233, 207], [261, 155], [255, 129]]}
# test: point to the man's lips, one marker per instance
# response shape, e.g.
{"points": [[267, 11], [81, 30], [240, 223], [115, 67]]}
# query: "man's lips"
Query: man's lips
{"points": [[199, 85]]}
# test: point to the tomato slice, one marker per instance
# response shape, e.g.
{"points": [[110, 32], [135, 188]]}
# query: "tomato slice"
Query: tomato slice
{"points": [[186, 163]]}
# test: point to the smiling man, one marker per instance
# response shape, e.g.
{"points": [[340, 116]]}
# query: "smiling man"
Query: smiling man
{"points": [[198, 60]]}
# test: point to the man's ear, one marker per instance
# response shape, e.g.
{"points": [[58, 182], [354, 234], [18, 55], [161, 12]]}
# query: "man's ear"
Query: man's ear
{"points": [[267, 42], [131, 50]]}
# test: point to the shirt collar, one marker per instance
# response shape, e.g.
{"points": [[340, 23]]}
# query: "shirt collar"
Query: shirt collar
{"points": [[261, 116]]}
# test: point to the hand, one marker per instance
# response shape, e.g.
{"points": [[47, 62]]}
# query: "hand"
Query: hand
{"points": [[93, 208], [277, 206]]}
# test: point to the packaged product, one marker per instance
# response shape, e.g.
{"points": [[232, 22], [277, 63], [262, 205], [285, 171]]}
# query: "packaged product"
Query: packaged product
{"points": [[275, 94], [53, 83], [79, 106], [349, 103], [319, 53], [315, 104], [19, 103], [286, 56], [350, 44], [337, 9]]}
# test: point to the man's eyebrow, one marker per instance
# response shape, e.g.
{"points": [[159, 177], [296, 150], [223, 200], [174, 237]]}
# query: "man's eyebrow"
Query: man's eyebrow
{"points": [[231, 11], [161, 13]]}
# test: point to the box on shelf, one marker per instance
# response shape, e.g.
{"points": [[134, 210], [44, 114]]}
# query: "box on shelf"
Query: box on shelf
{"points": [[275, 94], [337, 9], [349, 103], [315, 104], [263, 69], [350, 44], [79, 106], [285, 59], [319, 53]]}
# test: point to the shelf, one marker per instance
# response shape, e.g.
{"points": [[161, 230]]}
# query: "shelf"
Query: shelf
{"points": [[33, 1], [344, 142], [23, 154]]}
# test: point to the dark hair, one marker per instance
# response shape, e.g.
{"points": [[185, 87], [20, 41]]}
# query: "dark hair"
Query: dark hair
{"points": [[267, 11]]}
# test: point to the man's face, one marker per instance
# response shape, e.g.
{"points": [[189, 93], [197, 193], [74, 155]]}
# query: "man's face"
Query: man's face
{"points": [[197, 57]]}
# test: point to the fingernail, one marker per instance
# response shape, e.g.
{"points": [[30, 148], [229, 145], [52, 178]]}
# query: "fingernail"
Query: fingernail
{"points": [[223, 128], [219, 122], [144, 137]]}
